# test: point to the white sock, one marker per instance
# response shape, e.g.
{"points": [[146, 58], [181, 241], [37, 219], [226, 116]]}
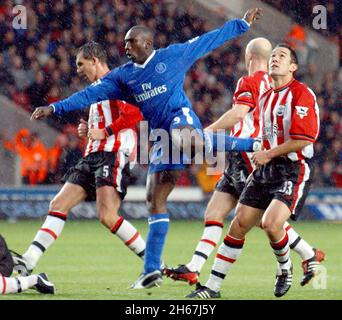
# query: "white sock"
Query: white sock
{"points": [[45, 237], [298, 244], [130, 236], [18, 284], [281, 250], [210, 237], [227, 254]]}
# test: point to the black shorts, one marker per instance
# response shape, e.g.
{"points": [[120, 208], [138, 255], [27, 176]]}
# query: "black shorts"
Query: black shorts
{"points": [[281, 179], [100, 169], [235, 175], [6, 261]]}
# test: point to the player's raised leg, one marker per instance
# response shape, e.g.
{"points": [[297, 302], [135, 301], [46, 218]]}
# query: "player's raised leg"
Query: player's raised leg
{"points": [[69, 196], [219, 206], [222, 142], [108, 203], [159, 186]]}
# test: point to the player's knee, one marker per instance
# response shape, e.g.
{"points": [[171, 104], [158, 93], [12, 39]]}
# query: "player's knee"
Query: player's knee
{"points": [[155, 205], [269, 226], [210, 215], [57, 204], [108, 216], [108, 219], [242, 224], [152, 206]]}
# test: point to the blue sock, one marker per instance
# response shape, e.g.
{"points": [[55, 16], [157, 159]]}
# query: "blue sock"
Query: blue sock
{"points": [[215, 142], [159, 226]]}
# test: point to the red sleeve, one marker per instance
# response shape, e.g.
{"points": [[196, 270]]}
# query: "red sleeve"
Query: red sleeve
{"points": [[244, 93], [129, 116], [305, 117]]}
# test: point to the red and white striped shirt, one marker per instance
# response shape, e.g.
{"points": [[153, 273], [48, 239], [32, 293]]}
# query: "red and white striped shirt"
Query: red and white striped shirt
{"points": [[117, 117], [248, 91], [290, 112]]}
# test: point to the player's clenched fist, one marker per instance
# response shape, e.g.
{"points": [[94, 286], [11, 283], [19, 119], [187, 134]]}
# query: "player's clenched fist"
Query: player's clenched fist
{"points": [[261, 157], [41, 113], [252, 14], [96, 134], [82, 129]]}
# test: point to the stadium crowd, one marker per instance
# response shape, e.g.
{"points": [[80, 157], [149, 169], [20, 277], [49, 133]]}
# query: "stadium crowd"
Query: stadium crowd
{"points": [[37, 68]]}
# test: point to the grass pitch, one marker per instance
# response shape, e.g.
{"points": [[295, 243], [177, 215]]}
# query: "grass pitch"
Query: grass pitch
{"points": [[87, 262]]}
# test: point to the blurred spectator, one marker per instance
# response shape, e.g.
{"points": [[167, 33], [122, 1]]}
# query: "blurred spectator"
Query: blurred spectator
{"points": [[20, 76], [323, 177], [33, 156], [70, 154], [38, 171], [54, 158], [36, 92], [5, 76]]}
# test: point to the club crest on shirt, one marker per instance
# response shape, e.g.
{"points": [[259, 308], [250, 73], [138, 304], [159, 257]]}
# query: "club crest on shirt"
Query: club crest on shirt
{"points": [[302, 111], [280, 110], [161, 67]]}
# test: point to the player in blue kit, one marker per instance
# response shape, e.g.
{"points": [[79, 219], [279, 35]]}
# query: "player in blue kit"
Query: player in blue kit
{"points": [[154, 81]]}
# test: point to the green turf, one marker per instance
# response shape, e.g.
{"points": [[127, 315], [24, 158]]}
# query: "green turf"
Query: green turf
{"points": [[87, 262]]}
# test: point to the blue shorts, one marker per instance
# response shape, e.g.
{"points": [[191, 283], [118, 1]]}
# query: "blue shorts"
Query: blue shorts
{"points": [[165, 156]]}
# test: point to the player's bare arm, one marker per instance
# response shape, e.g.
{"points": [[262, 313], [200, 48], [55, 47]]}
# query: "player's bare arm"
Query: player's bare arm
{"points": [[264, 156], [253, 14], [229, 119], [42, 112]]}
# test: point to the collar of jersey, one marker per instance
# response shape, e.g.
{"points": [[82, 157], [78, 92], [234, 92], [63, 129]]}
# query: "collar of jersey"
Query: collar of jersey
{"points": [[147, 60], [284, 86]]}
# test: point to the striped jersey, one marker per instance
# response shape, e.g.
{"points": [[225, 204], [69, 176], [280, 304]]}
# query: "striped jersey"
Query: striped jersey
{"points": [[117, 117], [248, 91], [290, 112]]}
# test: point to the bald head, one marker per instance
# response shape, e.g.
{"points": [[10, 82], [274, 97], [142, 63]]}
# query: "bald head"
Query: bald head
{"points": [[142, 31], [260, 48], [139, 43]]}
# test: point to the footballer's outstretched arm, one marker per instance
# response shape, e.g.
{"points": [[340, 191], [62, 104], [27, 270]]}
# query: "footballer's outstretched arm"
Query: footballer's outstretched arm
{"points": [[106, 88], [230, 118], [196, 48]]}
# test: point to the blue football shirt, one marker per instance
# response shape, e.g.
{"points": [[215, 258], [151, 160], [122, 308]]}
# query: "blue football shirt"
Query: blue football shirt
{"points": [[156, 87]]}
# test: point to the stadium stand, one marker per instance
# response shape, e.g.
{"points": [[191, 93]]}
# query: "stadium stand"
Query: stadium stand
{"points": [[37, 67]]}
